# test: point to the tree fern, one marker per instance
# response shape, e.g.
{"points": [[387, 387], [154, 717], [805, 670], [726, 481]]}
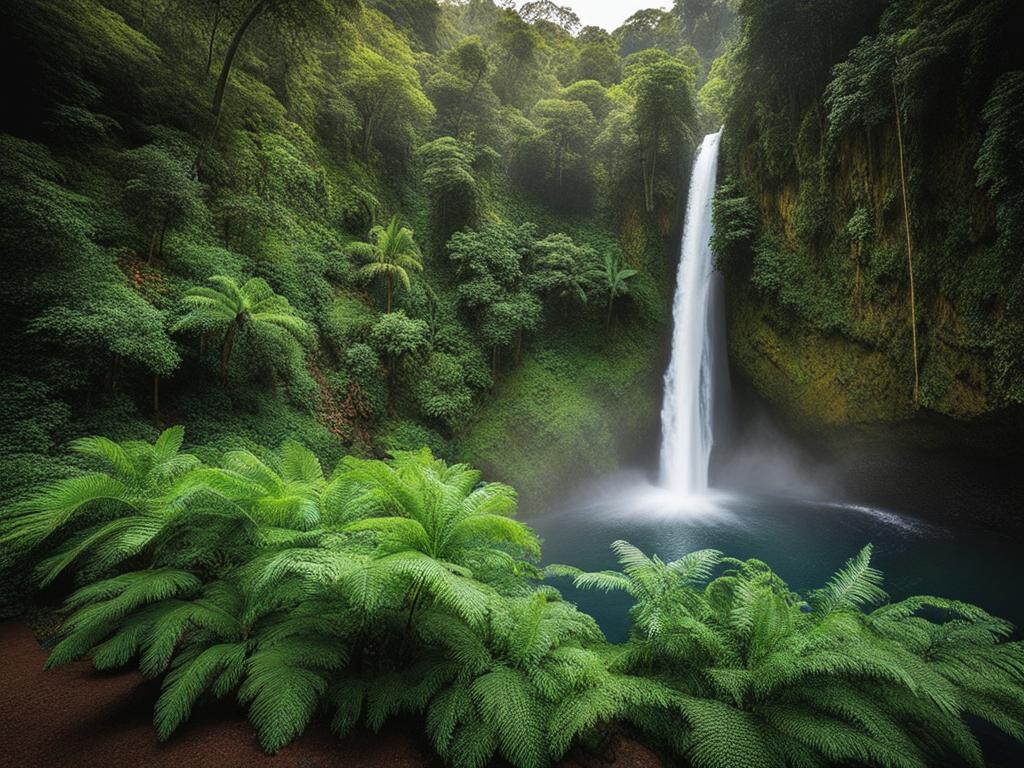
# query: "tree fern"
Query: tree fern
{"points": [[407, 586], [438, 526], [764, 682], [390, 253], [102, 606], [125, 504], [230, 308]]}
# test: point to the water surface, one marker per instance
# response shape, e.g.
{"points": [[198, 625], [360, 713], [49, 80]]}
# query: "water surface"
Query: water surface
{"points": [[804, 541]]}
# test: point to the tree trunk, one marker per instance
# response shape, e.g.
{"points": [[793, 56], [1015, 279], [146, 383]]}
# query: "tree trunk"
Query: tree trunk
{"points": [[213, 39], [644, 165], [650, 168], [156, 398], [111, 372], [494, 364], [412, 610], [368, 122], [611, 305], [387, 286], [152, 246], [910, 257], [160, 243], [225, 356], [229, 59], [856, 277], [415, 602]]}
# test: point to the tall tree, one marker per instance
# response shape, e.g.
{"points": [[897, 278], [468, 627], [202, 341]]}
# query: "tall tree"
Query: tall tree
{"points": [[494, 286], [449, 180], [663, 113], [390, 253], [384, 87], [649, 28], [283, 14], [546, 10], [568, 125], [159, 190]]}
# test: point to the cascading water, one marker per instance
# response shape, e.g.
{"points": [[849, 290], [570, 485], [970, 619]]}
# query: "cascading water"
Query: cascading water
{"points": [[688, 409]]}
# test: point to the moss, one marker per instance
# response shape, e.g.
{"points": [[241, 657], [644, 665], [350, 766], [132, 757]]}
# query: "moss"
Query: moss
{"points": [[816, 379], [566, 413]]}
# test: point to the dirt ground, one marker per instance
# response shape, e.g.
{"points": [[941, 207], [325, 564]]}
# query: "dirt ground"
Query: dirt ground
{"points": [[75, 716]]}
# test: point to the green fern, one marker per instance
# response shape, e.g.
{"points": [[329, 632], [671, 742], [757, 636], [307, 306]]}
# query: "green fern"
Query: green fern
{"points": [[511, 679], [760, 679], [439, 527], [407, 586], [124, 505]]}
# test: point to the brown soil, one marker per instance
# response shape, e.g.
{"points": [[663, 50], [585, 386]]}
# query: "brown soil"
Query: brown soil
{"points": [[75, 716]]}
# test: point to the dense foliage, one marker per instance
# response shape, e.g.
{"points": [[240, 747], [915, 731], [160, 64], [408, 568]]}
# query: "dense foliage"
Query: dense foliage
{"points": [[407, 585], [256, 218]]}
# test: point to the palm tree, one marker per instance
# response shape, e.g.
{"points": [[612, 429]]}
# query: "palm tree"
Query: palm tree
{"points": [[613, 279], [439, 527], [391, 253], [230, 307]]}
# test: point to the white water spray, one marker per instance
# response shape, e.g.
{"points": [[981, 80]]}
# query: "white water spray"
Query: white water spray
{"points": [[687, 413]]}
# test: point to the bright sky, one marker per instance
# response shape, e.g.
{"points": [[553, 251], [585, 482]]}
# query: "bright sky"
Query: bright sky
{"points": [[609, 13]]}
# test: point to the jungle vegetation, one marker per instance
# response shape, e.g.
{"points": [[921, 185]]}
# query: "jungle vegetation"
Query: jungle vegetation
{"points": [[370, 226], [396, 239], [407, 585], [868, 216]]}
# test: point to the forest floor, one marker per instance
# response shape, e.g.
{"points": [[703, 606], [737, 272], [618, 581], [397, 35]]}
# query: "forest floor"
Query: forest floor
{"points": [[76, 716]]}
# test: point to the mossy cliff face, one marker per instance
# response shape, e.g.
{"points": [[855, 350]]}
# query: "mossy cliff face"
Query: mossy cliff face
{"points": [[811, 235], [822, 326]]}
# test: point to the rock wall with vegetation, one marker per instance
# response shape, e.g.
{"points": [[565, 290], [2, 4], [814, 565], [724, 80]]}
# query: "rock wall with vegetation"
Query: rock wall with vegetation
{"points": [[823, 103]]}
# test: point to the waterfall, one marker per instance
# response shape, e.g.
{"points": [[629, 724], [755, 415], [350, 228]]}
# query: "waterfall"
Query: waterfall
{"points": [[688, 409]]}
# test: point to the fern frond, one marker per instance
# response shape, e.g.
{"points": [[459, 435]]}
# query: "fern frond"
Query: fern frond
{"points": [[853, 586], [346, 696], [507, 705], [29, 523], [190, 678]]}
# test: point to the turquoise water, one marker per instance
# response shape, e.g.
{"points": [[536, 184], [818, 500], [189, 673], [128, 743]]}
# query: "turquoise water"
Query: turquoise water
{"points": [[803, 541]]}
